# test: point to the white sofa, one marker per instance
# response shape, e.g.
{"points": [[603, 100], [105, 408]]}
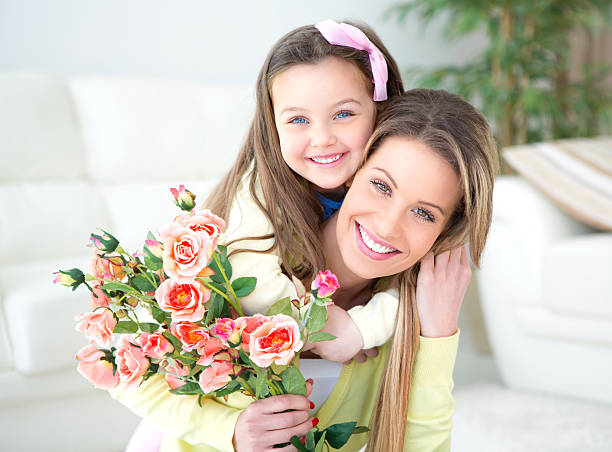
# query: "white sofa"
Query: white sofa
{"points": [[76, 155], [545, 288]]}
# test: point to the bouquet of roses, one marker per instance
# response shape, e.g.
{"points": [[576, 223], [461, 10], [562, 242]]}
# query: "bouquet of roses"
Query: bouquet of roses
{"points": [[174, 310]]}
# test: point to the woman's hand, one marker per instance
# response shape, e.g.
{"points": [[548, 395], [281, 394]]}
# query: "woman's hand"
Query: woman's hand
{"points": [[274, 420], [441, 286]]}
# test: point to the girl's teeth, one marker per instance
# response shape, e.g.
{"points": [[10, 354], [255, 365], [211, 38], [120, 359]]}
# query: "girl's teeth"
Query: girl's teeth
{"points": [[376, 247], [327, 160]]}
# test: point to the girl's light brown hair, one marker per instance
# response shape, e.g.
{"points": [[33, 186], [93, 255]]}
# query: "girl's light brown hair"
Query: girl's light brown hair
{"points": [[287, 199], [455, 130]]}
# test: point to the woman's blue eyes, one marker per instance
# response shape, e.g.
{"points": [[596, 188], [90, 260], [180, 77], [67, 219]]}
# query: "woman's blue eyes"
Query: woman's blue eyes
{"points": [[420, 212]]}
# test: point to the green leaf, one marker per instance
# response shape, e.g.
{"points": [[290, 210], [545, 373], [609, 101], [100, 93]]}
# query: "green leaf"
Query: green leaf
{"points": [[176, 343], [310, 440], [149, 327], [189, 388], [316, 318], [225, 264], [232, 386], [157, 313], [244, 286], [282, 306], [141, 283], [153, 263], [214, 307], [261, 387], [126, 327], [320, 442], [293, 381], [245, 359], [320, 336], [116, 285], [295, 441], [339, 434]]}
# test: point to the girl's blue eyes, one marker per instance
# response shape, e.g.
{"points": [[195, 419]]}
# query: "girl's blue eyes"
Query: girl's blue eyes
{"points": [[302, 120], [420, 212]]}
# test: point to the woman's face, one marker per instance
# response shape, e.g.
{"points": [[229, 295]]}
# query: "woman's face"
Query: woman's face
{"points": [[396, 207]]}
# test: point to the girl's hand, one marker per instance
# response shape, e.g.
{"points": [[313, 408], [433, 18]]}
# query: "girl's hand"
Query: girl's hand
{"points": [[274, 420], [441, 286], [348, 342]]}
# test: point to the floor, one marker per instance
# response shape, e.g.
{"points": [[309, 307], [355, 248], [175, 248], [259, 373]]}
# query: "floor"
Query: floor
{"points": [[491, 417]]}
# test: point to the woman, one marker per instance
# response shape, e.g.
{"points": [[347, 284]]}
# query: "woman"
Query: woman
{"points": [[425, 188]]}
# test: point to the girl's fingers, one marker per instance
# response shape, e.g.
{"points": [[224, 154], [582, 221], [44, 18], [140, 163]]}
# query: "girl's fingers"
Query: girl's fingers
{"points": [[372, 352]]}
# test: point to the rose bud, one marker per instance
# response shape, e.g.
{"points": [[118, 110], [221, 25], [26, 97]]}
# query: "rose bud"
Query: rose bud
{"points": [[70, 278], [104, 242], [183, 198], [325, 284], [154, 249]]}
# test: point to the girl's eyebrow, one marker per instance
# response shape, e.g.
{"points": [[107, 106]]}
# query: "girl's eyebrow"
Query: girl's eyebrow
{"points": [[349, 100], [435, 206]]}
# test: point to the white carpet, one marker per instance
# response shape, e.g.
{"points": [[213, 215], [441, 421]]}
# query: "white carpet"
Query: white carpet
{"points": [[492, 418]]}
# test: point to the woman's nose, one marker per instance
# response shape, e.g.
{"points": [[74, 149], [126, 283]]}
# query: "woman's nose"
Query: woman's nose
{"points": [[322, 136], [391, 224]]}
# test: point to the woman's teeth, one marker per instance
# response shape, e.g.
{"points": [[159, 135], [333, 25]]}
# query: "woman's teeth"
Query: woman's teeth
{"points": [[376, 247], [326, 160]]}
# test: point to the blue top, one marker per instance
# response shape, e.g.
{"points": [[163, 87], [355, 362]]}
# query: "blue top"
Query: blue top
{"points": [[329, 205]]}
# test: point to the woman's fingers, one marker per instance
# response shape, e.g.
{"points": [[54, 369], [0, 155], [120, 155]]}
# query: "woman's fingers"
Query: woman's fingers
{"points": [[278, 404], [284, 435]]}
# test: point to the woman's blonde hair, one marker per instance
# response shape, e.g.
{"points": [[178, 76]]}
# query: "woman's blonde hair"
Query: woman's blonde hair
{"points": [[288, 201], [454, 129]]}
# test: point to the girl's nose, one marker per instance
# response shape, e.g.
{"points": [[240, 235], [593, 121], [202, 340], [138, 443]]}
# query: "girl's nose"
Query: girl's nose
{"points": [[322, 136]]}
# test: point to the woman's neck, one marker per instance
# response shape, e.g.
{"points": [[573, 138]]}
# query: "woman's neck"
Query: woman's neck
{"points": [[354, 289]]}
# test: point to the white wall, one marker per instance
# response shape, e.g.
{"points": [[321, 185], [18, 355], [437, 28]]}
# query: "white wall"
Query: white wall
{"points": [[193, 40]]}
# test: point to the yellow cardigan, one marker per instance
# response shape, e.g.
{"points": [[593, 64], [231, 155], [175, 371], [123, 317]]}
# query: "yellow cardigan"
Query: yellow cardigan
{"points": [[187, 427]]}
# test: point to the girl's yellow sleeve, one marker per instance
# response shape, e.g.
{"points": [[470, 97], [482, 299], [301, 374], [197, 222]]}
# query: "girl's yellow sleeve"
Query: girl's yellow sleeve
{"points": [[376, 319]]}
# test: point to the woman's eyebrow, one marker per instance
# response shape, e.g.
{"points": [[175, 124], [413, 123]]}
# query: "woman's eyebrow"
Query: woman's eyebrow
{"points": [[435, 206]]}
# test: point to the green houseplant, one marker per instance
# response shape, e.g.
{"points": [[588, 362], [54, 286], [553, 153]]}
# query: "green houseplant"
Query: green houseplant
{"points": [[521, 80]]}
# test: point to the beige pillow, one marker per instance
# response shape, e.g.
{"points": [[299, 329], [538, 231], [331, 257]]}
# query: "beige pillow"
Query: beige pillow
{"points": [[575, 174]]}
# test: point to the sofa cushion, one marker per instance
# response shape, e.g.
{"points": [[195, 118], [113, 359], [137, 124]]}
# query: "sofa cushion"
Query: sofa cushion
{"points": [[144, 130], [40, 315], [39, 133], [577, 276], [47, 220], [138, 209]]}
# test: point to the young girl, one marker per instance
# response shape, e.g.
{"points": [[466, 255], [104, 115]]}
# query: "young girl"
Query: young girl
{"points": [[318, 94], [424, 189]]}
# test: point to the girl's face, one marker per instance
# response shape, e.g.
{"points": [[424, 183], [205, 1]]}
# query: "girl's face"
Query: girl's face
{"points": [[324, 115], [396, 207]]}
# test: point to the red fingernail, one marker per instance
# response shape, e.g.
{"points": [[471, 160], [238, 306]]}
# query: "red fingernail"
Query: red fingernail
{"points": [[315, 421], [310, 380], [311, 405]]}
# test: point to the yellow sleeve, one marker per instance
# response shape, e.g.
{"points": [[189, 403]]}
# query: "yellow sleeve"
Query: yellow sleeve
{"points": [[247, 220], [376, 319], [180, 416], [431, 405]]}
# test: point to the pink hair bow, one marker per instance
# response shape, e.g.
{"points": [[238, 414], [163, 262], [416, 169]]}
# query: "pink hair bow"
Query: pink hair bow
{"points": [[342, 34]]}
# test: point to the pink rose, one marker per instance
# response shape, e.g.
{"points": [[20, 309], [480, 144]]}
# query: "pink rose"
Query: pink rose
{"points": [[174, 371], [131, 363], [275, 341], [97, 326], [98, 298], [94, 368], [209, 350], [191, 335], [247, 325], [204, 221], [184, 301], [154, 345], [106, 267], [186, 252], [326, 283], [216, 376], [226, 330]]}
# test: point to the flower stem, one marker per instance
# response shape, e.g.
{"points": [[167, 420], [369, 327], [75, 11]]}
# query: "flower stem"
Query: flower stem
{"points": [[236, 303]]}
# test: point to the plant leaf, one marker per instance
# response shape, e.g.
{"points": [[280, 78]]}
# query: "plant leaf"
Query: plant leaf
{"points": [[142, 283], [282, 306], [232, 386], [189, 388], [126, 327], [149, 327], [316, 318], [293, 381], [339, 434], [320, 336], [157, 313], [261, 388], [244, 286]]}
